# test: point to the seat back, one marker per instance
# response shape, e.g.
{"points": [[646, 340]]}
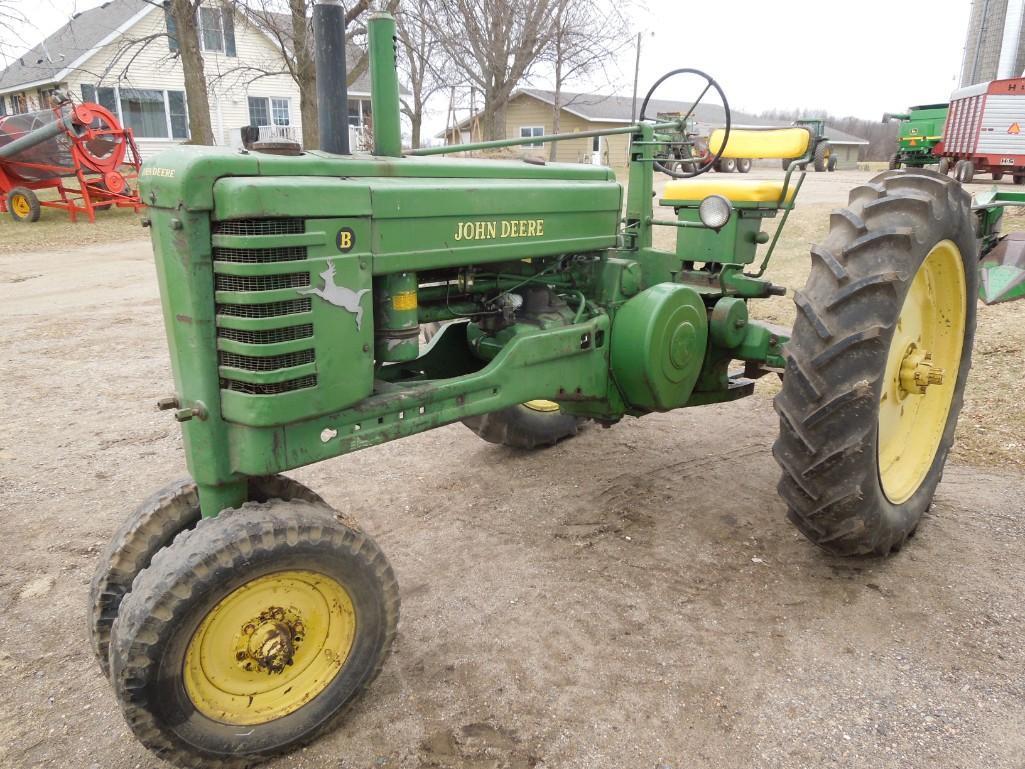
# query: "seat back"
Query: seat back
{"points": [[786, 143]]}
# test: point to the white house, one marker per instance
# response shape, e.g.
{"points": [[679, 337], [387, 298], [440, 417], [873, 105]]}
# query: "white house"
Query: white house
{"points": [[119, 55]]}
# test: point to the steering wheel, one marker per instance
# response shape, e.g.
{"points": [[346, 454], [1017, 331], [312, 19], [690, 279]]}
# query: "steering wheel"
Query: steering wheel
{"points": [[709, 84]]}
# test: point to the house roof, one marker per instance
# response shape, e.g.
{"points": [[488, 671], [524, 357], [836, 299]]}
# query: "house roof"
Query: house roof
{"points": [[51, 60], [596, 108], [55, 57]]}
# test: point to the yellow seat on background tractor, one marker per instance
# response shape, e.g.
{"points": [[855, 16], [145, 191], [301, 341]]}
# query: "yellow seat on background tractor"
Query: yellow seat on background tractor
{"points": [[735, 190], [787, 143]]}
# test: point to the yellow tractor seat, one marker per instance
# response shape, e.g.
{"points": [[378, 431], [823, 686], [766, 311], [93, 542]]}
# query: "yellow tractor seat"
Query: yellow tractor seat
{"points": [[785, 143], [681, 191]]}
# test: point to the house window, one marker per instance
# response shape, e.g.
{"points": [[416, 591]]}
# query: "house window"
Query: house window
{"points": [[151, 114], [217, 30], [265, 110], [359, 113], [3, 105], [279, 111], [526, 131]]}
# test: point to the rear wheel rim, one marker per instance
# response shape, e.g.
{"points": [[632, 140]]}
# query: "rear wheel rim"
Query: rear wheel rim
{"points": [[922, 367], [269, 647]]}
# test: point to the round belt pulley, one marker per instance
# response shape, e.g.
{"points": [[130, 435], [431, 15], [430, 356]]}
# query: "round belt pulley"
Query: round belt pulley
{"points": [[658, 346]]}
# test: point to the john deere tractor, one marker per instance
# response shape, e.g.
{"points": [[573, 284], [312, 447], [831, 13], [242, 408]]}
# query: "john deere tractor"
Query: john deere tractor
{"points": [[822, 158], [237, 615]]}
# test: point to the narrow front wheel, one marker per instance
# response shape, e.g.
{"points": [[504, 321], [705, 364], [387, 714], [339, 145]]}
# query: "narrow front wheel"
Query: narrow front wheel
{"points": [[250, 634]]}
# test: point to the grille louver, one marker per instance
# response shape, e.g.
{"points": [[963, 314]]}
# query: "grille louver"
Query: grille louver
{"points": [[276, 364]]}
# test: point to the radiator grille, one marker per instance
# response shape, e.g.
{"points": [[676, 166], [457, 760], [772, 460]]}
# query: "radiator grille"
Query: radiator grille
{"points": [[267, 335], [260, 255], [261, 227], [274, 388], [266, 248], [261, 282], [265, 362], [269, 310]]}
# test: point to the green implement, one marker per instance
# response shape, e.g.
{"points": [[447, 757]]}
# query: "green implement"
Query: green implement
{"points": [[920, 132], [1002, 266]]}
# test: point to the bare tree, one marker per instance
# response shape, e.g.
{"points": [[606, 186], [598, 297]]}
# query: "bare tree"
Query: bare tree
{"points": [[495, 44], [423, 60], [291, 27], [12, 24], [586, 35], [186, 31]]}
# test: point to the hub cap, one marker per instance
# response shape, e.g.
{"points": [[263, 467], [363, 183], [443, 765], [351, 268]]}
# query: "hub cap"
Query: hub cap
{"points": [[542, 406], [21, 206], [921, 372], [269, 647]]}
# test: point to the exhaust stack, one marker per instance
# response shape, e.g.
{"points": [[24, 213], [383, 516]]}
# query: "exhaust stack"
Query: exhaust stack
{"points": [[332, 73]]}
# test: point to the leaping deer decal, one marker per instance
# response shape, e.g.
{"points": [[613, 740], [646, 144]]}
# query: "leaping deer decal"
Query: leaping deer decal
{"points": [[339, 296]]}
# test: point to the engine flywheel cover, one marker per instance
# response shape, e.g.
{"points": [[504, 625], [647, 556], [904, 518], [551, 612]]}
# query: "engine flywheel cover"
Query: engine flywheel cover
{"points": [[658, 346]]}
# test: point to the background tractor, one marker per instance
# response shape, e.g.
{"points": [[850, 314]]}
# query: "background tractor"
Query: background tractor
{"points": [[823, 158], [920, 134], [238, 616], [687, 149]]}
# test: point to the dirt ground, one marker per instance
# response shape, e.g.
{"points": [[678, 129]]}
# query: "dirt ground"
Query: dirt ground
{"points": [[631, 598]]}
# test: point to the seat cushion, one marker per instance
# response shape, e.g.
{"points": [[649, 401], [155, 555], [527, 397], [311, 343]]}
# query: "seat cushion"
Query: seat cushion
{"points": [[736, 190], [761, 142]]}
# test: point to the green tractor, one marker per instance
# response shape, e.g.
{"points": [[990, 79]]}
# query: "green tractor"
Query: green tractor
{"points": [[822, 158], [921, 130], [237, 615]]}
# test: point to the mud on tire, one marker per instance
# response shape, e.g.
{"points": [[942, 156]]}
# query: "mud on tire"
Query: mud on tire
{"points": [[847, 316]]}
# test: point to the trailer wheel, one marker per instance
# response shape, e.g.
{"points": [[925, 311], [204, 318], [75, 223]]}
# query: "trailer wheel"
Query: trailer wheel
{"points": [[23, 205], [1018, 178], [251, 634], [997, 175], [726, 165], [964, 171], [894, 161], [152, 527], [822, 154], [944, 166], [877, 363], [743, 165]]}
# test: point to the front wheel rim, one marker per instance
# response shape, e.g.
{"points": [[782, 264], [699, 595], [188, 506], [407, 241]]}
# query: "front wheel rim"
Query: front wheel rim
{"points": [[269, 647], [922, 368]]}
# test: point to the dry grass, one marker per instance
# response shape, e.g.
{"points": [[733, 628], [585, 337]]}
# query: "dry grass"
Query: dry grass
{"points": [[54, 229]]}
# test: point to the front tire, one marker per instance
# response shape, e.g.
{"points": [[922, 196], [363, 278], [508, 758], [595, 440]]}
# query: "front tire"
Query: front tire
{"points": [[251, 634], [151, 527], [862, 450]]}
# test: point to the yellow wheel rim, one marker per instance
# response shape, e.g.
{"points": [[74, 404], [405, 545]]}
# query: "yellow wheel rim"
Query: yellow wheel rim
{"points": [[921, 372], [269, 647], [21, 206], [542, 406]]}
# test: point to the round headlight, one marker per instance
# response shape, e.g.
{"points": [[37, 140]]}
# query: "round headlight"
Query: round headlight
{"points": [[715, 211]]}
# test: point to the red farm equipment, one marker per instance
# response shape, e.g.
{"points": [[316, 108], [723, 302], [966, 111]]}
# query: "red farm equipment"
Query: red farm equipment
{"points": [[56, 149], [985, 131]]}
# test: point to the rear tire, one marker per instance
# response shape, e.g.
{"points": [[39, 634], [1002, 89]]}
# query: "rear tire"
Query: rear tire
{"points": [[822, 154], [841, 353], [152, 527]]}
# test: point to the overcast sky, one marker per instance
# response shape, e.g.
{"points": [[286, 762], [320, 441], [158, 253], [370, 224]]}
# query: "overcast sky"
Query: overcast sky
{"points": [[847, 58]]}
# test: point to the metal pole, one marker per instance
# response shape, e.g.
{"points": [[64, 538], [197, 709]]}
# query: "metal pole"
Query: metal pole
{"points": [[332, 91], [384, 86], [637, 76]]}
